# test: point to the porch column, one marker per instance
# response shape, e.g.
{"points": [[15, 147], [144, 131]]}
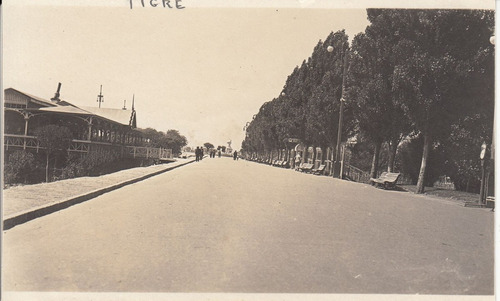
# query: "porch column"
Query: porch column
{"points": [[25, 131], [89, 136], [26, 119]]}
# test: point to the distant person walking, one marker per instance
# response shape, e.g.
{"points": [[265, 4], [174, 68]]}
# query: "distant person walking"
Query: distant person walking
{"points": [[197, 153], [235, 155], [219, 153]]}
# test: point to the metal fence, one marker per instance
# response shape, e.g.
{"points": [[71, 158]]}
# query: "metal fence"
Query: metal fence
{"points": [[84, 146], [358, 175], [355, 174]]}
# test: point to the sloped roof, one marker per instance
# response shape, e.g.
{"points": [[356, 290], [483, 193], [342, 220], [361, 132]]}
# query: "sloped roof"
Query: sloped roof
{"points": [[116, 115], [35, 98], [65, 109], [124, 117]]}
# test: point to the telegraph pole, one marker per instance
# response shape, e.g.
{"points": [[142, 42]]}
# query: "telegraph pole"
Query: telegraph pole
{"points": [[100, 97]]}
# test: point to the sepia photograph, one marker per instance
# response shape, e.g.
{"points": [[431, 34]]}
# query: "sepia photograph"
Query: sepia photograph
{"points": [[247, 150]]}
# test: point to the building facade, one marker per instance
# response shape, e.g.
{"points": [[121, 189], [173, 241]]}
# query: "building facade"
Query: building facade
{"points": [[92, 128]]}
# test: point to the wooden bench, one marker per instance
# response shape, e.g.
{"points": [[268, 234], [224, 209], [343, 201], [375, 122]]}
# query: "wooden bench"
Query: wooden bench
{"points": [[386, 179], [319, 170], [373, 181], [308, 167], [305, 167]]}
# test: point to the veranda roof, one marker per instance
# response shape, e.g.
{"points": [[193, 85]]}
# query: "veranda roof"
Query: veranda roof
{"points": [[117, 115], [65, 109], [36, 99], [123, 117]]}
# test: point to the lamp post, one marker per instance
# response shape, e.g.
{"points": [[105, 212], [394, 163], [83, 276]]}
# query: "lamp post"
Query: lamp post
{"points": [[482, 156], [489, 188], [337, 164]]}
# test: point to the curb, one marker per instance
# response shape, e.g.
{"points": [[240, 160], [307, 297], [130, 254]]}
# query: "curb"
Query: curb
{"points": [[30, 214]]}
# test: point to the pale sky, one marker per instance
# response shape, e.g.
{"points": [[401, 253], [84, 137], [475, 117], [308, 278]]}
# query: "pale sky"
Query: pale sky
{"points": [[202, 70]]}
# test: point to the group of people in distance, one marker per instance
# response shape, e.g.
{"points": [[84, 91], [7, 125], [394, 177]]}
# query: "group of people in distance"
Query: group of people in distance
{"points": [[199, 152], [213, 152]]}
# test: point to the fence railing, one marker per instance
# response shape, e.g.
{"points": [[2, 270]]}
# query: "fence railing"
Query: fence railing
{"points": [[21, 141], [355, 174], [85, 146]]}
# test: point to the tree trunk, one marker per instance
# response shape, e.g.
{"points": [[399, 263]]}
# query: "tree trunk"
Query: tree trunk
{"points": [[423, 166], [393, 147], [47, 169], [376, 155], [314, 156]]}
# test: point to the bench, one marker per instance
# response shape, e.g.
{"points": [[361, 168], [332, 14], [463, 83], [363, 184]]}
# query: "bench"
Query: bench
{"points": [[386, 179], [305, 167], [319, 170], [308, 167]]}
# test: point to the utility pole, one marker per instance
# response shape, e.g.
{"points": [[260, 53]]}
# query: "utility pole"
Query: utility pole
{"points": [[100, 97]]}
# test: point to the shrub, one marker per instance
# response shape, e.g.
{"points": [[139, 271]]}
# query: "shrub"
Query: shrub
{"points": [[19, 166], [54, 139]]}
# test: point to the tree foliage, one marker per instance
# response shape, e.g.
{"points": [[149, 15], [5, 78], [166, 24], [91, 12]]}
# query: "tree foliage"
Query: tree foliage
{"points": [[18, 166], [379, 117], [172, 139], [440, 54], [54, 139], [175, 141], [208, 145], [308, 106]]}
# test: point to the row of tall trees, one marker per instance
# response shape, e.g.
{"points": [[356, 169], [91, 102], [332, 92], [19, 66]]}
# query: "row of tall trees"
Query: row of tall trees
{"points": [[413, 74]]}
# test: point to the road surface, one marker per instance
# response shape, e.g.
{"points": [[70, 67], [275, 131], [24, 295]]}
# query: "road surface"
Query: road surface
{"points": [[236, 226]]}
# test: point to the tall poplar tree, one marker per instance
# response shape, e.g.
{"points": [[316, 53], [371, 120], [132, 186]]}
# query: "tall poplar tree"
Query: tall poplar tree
{"points": [[437, 57], [379, 115]]}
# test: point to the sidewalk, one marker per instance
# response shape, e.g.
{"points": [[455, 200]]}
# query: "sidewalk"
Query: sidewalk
{"points": [[24, 203]]}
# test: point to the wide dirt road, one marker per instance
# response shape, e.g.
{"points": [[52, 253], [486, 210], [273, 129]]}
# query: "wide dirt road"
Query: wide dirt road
{"points": [[236, 226]]}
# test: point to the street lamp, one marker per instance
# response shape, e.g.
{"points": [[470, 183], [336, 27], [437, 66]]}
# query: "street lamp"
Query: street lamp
{"points": [[337, 164], [482, 156], [488, 180]]}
